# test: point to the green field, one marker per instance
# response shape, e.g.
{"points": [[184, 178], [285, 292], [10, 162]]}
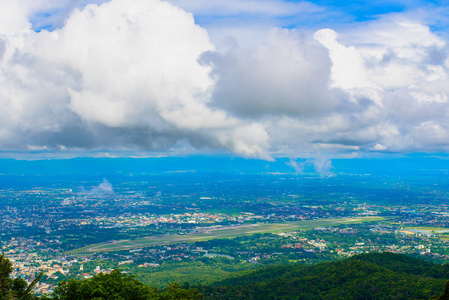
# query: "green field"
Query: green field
{"points": [[431, 229], [210, 233]]}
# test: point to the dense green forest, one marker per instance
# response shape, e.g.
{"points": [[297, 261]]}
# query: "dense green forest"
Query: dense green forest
{"points": [[365, 276]]}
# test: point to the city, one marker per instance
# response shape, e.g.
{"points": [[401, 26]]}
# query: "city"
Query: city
{"points": [[92, 227]]}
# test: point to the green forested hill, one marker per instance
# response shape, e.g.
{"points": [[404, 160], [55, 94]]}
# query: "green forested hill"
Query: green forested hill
{"points": [[367, 276], [405, 264]]}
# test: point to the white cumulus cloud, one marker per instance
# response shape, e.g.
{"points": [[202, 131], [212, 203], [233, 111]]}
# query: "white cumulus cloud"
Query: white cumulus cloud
{"points": [[122, 74], [139, 76]]}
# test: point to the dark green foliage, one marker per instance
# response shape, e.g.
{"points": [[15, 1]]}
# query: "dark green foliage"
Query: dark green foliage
{"points": [[111, 286], [118, 286], [445, 294], [402, 263], [175, 291], [5, 280], [17, 288], [201, 271], [369, 276], [262, 275], [406, 264]]}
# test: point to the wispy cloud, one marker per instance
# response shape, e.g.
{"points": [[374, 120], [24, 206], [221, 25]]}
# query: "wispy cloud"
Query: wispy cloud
{"points": [[103, 188], [320, 165]]}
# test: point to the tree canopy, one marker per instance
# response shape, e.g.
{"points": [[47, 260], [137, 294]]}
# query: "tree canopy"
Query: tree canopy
{"points": [[118, 286], [17, 289]]}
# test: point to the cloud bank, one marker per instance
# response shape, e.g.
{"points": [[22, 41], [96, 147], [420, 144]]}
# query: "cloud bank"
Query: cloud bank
{"points": [[141, 76]]}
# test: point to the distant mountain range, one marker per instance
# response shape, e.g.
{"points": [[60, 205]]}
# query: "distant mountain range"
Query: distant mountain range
{"points": [[405, 164]]}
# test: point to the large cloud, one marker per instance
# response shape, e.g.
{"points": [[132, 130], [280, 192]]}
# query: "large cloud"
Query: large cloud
{"points": [[120, 75], [140, 75], [401, 68], [288, 74]]}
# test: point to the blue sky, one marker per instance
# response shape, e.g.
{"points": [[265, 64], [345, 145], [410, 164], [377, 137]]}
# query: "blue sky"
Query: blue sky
{"points": [[255, 79], [318, 15]]}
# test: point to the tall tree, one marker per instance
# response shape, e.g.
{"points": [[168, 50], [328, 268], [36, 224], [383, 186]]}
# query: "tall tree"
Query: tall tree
{"points": [[5, 278], [17, 289]]}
